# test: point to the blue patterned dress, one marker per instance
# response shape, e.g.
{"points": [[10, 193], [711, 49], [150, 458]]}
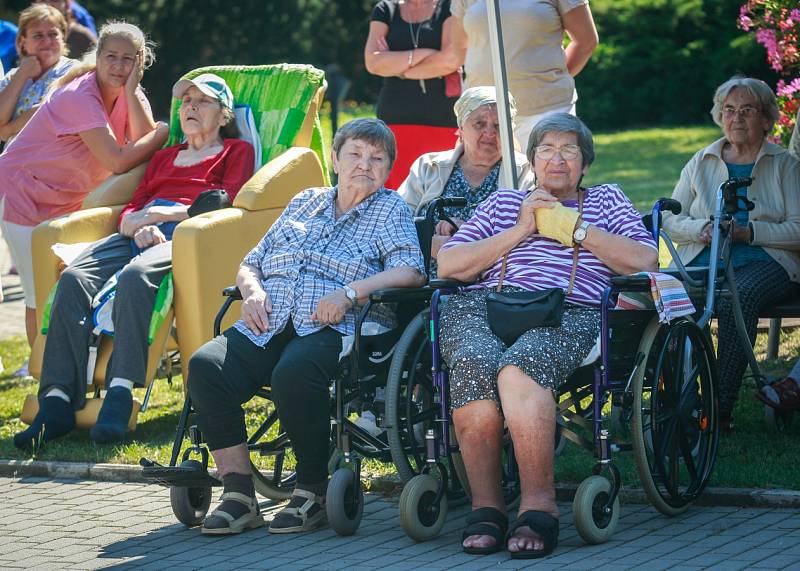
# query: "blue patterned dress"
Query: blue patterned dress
{"points": [[458, 186]]}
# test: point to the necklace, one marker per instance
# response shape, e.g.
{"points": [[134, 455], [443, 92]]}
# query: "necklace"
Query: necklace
{"points": [[415, 41]]}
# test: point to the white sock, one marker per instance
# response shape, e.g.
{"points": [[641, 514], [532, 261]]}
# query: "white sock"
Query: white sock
{"points": [[56, 392], [120, 382]]}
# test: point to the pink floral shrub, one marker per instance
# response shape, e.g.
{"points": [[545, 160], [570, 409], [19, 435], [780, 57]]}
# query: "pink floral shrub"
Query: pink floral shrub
{"points": [[777, 27]]}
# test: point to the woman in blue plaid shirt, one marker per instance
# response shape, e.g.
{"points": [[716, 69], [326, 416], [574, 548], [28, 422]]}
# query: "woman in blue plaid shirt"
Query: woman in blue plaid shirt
{"points": [[301, 287]]}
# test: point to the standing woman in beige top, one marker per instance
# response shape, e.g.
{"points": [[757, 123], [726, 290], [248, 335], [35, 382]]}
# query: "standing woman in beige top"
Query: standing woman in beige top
{"points": [[540, 69]]}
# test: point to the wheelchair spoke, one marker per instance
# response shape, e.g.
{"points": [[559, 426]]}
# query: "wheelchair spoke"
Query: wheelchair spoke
{"points": [[688, 456]]}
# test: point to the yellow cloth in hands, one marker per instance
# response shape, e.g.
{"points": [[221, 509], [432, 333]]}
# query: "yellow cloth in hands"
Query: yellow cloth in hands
{"points": [[557, 223]]}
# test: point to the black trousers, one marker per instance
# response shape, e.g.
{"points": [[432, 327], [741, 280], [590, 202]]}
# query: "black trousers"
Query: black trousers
{"points": [[227, 371], [759, 284], [67, 350]]}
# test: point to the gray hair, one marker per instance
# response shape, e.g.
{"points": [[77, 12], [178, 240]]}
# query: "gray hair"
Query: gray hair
{"points": [[230, 130], [373, 131], [760, 91], [562, 123]]}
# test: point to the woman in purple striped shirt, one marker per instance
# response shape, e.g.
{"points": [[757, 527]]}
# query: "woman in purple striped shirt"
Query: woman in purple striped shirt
{"points": [[491, 381]]}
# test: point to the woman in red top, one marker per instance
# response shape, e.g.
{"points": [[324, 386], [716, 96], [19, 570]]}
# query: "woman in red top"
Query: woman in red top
{"points": [[142, 254]]}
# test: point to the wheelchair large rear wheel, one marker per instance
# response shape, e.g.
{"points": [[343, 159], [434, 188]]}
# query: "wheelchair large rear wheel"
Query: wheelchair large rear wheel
{"points": [[272, 461], [674, 425], [410, 406]]}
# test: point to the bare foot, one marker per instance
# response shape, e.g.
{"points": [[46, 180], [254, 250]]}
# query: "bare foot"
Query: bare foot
{"points": [[524, 539], [481, 541]]}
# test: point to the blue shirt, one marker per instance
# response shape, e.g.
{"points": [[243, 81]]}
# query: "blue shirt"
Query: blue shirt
{"points": [[34, 92], [83, 17], [308, 253], [8, 47], [741, 254]]}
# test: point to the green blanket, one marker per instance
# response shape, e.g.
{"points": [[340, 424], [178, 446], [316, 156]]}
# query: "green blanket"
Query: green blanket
{"points": [[279, 96]]}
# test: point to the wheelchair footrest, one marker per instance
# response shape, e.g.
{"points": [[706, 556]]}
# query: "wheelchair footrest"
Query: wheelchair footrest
{"points": [[179, 476]]}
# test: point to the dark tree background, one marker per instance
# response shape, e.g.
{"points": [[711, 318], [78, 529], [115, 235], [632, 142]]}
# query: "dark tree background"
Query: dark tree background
{"points": [[658, 60]]}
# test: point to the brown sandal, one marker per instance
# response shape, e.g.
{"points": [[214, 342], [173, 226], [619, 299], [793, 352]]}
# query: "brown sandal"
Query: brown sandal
{"points": [[783, 395]]}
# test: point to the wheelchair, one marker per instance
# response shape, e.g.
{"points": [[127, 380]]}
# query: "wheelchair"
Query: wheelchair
{"points": [[371, 367], [658, 380]]}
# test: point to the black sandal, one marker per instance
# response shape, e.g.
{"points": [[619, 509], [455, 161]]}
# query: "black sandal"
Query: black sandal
{"points": [[542, 524], [479, 523]]}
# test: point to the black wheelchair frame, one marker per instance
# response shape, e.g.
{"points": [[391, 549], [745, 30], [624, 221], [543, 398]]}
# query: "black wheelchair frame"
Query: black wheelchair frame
{"points": [[189, 480]]}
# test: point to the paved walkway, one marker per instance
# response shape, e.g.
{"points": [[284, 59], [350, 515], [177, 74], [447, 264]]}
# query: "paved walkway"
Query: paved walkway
{"points": [[69, 524]]}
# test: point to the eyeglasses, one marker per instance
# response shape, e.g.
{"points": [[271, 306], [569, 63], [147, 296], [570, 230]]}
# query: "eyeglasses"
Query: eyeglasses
{"points": [[747, 111], [567, 152]]}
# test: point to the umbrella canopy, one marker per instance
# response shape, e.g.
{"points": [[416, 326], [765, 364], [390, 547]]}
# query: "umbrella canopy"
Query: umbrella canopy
{"points": [[501, 87]]}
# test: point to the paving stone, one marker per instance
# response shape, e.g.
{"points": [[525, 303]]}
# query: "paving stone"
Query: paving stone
{"points": [[89, 525]]}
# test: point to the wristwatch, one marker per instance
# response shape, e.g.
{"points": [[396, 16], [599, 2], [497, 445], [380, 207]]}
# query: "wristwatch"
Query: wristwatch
{"points": [[351, 294], [580, 233]]}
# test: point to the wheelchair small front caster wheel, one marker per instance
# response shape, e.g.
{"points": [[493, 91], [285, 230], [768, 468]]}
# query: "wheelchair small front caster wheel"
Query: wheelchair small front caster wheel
{"points": [[593, 523], [421, 516], [344, 502], [777, 419], [190, 505]]}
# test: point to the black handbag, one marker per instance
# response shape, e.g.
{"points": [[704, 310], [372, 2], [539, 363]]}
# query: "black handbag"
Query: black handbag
{"points": [[513, 313], [208, 201]]}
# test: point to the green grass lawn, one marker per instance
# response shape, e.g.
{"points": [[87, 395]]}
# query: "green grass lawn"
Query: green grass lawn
{"points": [[646, 164]]}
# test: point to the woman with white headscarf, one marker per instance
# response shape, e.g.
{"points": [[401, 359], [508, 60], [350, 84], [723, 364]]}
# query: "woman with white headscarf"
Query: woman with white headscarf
{"points": [[471, 170]]}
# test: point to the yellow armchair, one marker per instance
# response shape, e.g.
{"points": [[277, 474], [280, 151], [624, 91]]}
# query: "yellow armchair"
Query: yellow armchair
{"points": [[206, 249]]}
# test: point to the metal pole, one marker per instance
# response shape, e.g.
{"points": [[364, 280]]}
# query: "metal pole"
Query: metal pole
{"points": [[501, 85]]}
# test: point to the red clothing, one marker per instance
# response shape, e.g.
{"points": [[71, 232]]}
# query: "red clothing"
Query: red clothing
{"points": [[229, 170], [414, 141]]}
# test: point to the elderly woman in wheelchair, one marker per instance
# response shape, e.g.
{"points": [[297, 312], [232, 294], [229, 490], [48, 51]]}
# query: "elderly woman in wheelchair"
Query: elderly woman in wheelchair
{"points": [[301, 287], [559, 236], [471, 170], [140, 256]]}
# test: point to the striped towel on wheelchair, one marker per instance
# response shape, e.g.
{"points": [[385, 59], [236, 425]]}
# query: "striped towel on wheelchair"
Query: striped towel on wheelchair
{"points": [[667, 294]]}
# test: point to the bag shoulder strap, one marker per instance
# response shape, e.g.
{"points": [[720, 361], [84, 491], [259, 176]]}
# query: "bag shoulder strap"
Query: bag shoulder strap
{"points": [[575, 247]]}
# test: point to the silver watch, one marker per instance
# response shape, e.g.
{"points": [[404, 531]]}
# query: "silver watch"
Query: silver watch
{"points": [[580, 233], [351, 294]]}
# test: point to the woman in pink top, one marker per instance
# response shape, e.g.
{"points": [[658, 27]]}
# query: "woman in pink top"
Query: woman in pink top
{"points": [[96, 122]]}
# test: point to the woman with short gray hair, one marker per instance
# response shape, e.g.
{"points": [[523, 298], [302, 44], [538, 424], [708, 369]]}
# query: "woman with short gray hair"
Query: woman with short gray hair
{"points": [[766, 241], [560, 235], [302, 287]]}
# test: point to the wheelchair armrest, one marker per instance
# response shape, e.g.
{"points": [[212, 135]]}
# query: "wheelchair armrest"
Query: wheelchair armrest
{"points": [[232, 291], [634, 281], [447, 284], [389, 295]]}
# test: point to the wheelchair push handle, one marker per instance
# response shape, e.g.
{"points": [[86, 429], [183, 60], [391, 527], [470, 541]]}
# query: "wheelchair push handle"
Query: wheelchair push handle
{"points": [[670, 204], [732, 200]]}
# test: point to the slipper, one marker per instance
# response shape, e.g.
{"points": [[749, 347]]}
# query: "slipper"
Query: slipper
{"points": [[542, 524], [479, 523], [249, 520], [310, 515], [783, 395]]}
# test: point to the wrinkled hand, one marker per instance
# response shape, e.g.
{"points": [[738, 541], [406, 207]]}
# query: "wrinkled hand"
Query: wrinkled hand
{"points": [[555, 221], [705, 233], [136, 74], [444, 228], [332, 308], [147, 236], [539, 198], [134, 221], [30, 67], [255, 312]]}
